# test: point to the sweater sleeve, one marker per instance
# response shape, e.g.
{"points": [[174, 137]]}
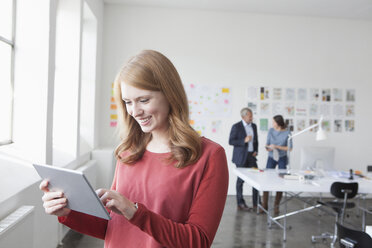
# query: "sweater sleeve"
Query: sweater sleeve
{"points": [[204, 216], [87, 224], [268, 139]]}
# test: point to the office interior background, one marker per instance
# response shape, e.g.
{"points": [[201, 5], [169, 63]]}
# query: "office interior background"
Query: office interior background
{"points": [[65, 55]]}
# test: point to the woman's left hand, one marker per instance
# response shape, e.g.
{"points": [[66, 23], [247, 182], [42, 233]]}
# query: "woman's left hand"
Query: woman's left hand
{"points": [[117, 203]]}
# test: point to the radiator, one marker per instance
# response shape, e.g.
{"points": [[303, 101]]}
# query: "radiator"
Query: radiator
{"points": [[17, 228]]}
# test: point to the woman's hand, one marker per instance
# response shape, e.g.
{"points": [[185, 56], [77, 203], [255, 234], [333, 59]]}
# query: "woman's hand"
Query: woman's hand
{"points": [[54, 202], [116, 202], [270, 147]]}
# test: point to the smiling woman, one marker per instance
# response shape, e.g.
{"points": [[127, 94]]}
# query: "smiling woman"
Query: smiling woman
{"points": [[170, 185], [152, 73]]}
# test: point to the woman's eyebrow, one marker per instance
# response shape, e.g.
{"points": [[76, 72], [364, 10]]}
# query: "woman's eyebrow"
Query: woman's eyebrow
{"points": [[144, 96]]}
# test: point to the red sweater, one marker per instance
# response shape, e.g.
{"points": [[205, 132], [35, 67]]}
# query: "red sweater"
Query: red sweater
{"points": [[176, 207]]}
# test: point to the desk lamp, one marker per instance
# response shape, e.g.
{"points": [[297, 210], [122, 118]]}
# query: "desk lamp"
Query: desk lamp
{"points": [[320, 135]]}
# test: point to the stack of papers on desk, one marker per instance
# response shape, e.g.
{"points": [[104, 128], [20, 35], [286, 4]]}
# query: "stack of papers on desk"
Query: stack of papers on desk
{"points": [[290, 176], [338, 174]]}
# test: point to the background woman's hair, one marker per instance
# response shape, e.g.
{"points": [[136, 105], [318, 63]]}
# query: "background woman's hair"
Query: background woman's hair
{"points": [[151, 70], [280, 121]]}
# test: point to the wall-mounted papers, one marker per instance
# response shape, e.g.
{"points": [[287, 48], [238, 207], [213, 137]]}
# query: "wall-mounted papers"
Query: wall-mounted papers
{"points": [[302, 107]]}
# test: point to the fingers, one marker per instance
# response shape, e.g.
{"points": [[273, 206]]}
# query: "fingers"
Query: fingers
{"points": [[100, 192], [55, 209], [57, 203], [51, 195], [44, 185], [108, 195], [54, 203]]}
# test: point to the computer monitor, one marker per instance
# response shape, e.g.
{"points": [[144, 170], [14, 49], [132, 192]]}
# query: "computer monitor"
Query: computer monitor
{"points": [[317, 157]]}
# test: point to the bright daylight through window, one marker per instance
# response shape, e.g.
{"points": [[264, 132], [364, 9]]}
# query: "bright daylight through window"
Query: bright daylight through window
{"points": [[6, 62]]}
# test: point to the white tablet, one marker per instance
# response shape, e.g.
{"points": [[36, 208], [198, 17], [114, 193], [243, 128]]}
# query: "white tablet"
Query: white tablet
{"points": [[77, 189]]}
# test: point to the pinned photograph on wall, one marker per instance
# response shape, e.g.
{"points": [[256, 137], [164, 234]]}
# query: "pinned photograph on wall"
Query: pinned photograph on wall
{"points": [[289, 123], [325, 110], [313, 109], [326, 95], [264, 93], [113, 107], [350, 95], [289, 109], [207, 101], [277, 108], [264, 124], [215, 126], [349, 126], [337, 95], [338, 110], [314, 95], [253, 107], [313, 122], [200, 126], [252, 93], [337, 126], [290, 94], [264, 108], [300, 124], [349, 110], [326, 125], [302, 94], [301, 109], [277, 94]]}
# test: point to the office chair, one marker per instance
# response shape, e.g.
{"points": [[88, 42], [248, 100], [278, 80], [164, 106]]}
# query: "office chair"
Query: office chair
{"points": [[350, 238], [339, 190]]}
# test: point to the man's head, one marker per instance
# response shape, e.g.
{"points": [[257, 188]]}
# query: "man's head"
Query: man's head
{"points": [[247, 115]]}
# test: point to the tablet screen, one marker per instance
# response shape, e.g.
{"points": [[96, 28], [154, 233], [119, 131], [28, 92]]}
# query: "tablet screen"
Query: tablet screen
{"points": [[77, 189]]}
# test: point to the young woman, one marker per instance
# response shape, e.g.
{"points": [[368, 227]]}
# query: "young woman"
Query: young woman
{"points": [[277, 146], [170, 185]]}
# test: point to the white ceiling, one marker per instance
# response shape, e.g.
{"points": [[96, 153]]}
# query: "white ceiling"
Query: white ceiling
{"points": [[354, 9]]}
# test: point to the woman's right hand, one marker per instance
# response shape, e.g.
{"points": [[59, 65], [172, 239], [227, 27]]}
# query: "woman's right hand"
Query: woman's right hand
{"points": [[54, 201]]}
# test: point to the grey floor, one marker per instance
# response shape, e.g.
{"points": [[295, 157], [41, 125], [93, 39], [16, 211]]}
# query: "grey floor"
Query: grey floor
{"points": [[247, 229]]}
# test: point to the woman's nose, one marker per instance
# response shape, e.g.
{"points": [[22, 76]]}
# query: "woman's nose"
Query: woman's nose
{"points": [[136, 110]]}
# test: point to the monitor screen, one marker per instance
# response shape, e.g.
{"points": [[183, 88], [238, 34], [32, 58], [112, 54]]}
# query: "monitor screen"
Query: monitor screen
{"points": [[317, 157]]}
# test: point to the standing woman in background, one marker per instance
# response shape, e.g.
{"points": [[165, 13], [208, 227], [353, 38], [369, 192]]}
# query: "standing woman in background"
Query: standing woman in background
{"points": [[277, 146], [170, 185]]}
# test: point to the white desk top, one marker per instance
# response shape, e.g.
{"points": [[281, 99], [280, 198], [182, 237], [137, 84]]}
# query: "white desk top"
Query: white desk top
{"points": [[269, 180]]}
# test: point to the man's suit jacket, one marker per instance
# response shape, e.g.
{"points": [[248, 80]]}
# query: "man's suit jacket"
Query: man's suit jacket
{"points": [[236, 139]]}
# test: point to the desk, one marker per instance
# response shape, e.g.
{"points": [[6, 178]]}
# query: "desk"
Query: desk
{"points": [[269, 180]]}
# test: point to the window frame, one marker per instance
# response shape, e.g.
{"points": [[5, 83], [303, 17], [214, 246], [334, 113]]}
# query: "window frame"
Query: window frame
{"points": [[11, 43]]}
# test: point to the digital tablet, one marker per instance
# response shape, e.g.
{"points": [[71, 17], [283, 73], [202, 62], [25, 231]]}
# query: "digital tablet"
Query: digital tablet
{"points": [[77, 189]]}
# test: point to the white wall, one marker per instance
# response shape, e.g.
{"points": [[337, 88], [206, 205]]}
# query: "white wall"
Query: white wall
{"points": [[242, 49]]}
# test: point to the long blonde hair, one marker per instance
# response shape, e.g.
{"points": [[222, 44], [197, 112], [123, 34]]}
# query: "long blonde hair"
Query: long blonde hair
{"points": [[151, 70]]}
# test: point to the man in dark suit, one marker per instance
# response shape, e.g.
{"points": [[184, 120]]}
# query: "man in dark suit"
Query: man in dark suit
{"points": [[244, 138]]}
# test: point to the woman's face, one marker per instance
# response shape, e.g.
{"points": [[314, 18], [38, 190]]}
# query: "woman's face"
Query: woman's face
{"points": [[149, 108]]}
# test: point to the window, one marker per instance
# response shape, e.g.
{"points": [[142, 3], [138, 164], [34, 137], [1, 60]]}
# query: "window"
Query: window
{"points": [[6, 67], [75, 82]]}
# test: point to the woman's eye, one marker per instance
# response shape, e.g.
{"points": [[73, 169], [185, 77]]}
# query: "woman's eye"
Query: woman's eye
{"points": [[144, 100], [127, 102]]}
